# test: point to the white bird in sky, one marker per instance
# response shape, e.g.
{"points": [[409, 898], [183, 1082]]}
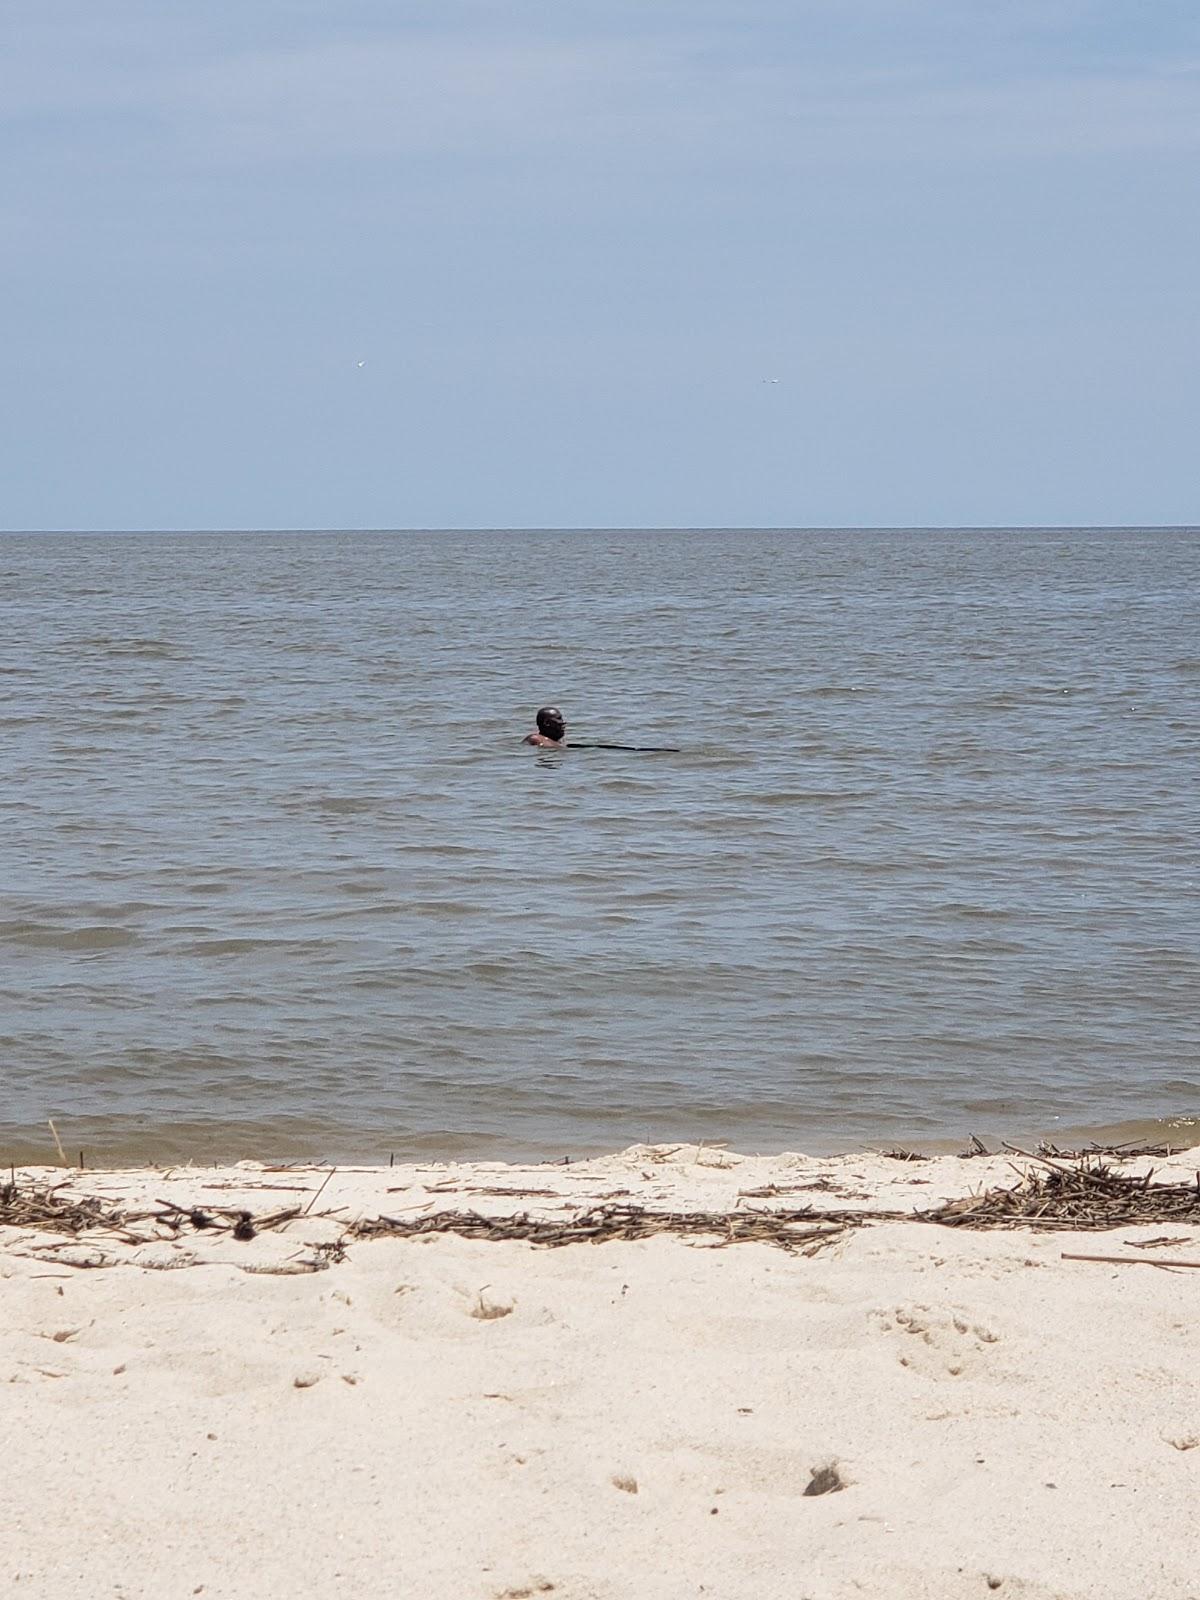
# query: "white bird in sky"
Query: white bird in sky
{"points": [[362, 363]]}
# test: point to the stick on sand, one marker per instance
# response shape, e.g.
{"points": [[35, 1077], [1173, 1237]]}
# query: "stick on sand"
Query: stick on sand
{"points": [[1131, 1261]]}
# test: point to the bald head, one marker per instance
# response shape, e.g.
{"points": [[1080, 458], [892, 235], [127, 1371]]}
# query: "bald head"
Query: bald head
{"points": [[550, 722]]}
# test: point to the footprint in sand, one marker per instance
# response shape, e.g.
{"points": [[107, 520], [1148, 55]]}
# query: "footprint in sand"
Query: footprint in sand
{"points": [[934, 1343]]}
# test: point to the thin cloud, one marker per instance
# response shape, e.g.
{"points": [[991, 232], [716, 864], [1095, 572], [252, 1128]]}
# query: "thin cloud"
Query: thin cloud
{"points": [[656, 105], [706, 87], [409, 96]]}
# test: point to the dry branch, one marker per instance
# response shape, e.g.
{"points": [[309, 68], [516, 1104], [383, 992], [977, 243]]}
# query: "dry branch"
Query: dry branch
{"points": [[1130, 1261], [604, 1224], [1052, 1193], [1088, 1196]]}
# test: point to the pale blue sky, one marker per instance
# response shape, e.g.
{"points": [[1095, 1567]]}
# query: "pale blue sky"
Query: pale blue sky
{"points": [[573, 242]]}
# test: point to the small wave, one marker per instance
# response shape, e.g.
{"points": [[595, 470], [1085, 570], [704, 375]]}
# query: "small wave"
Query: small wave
{"points": [[152, 649], [48, 936], [375, 908], [820, 797], [248, 946], [448, 907], [340, 805]]}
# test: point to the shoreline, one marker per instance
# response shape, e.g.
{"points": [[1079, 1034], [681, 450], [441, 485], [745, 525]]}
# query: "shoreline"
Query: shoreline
{"points": [[457, 1417], [199, 1145], [692, 1176]]}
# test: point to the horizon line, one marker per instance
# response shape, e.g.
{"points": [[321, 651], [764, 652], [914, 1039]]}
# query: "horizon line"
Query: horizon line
{"points": [[719, 527]]}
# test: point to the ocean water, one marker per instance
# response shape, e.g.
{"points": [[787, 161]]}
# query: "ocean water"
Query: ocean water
{"points": [[278, 877]]}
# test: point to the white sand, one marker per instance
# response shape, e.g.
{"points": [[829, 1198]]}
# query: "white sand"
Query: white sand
{"points": [[628, 1420]]}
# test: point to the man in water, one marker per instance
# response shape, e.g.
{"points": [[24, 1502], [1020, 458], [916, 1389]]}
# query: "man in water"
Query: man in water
{"points": [[551, 729]]}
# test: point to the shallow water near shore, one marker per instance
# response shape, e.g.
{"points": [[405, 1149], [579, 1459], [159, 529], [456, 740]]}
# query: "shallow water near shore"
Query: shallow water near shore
{"points": [[279, 877]]}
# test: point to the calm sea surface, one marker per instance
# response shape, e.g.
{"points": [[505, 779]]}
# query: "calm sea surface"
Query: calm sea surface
{"points": [[278, 877]]}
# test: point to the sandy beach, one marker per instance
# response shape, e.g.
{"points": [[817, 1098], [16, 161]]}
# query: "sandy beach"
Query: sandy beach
{"points": [[447, 1417]]}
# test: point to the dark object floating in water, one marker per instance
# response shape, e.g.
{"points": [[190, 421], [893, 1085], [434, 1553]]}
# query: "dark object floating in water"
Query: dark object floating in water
{"points": [[642, 749]]}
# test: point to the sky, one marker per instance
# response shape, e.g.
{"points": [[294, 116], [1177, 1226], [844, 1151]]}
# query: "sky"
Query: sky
{"points": [[505, 263]]}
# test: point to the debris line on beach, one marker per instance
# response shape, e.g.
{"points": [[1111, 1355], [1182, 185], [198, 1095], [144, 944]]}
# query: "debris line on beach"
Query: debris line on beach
{"points": [[803, 1230], [1087, 1196], [56, 1212], [50, 1209]]}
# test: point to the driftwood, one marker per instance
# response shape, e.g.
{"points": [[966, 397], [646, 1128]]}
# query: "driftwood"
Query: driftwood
{"points": [[50, 1210], [1090, 1195], [1087, 1195], [770, 1190], [1131, 1261], [1120, 1152], [975, 1148], [791, 1230]]}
